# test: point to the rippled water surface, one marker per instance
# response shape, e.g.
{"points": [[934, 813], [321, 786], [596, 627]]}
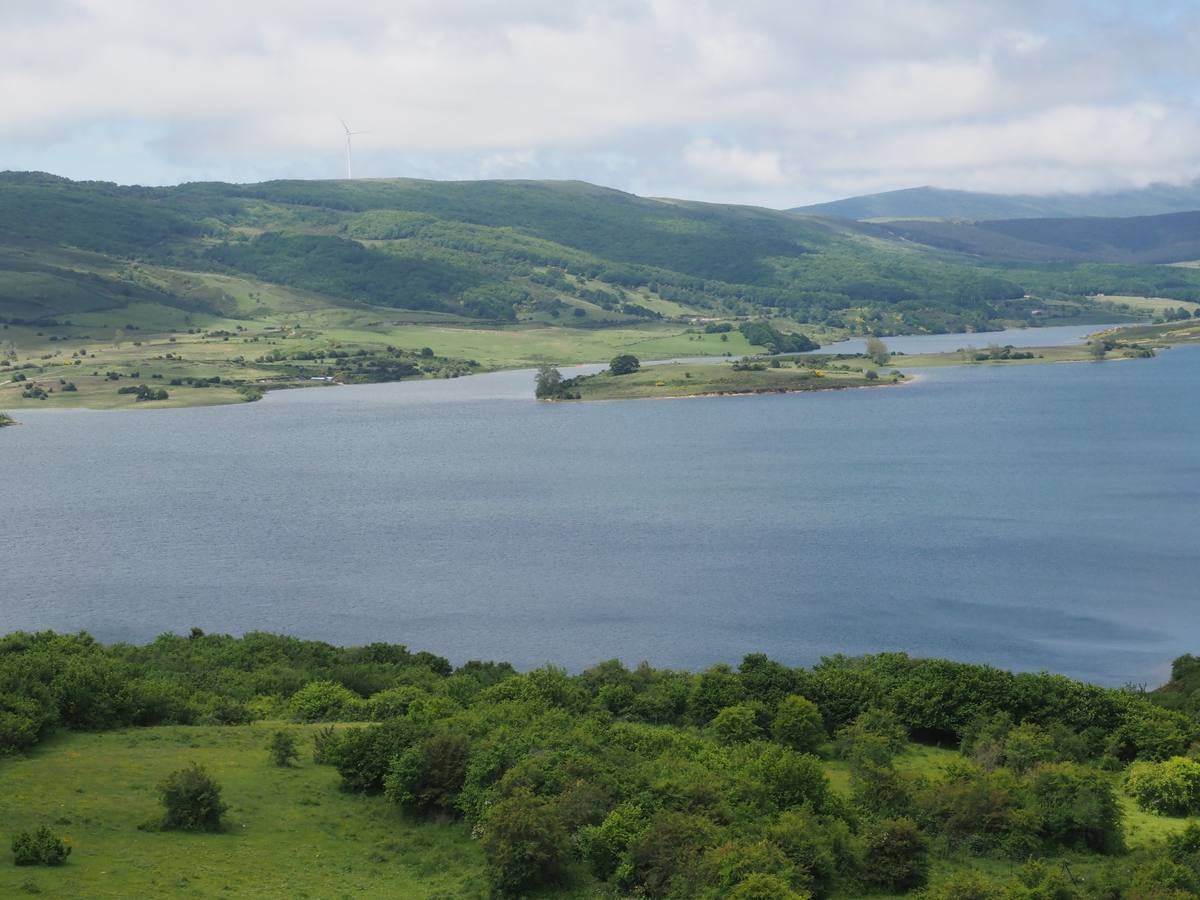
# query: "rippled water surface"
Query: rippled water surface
{"points": [[1038, 516]]}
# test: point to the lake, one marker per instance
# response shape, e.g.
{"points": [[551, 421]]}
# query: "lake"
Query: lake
{"points": [[1039, 516]]}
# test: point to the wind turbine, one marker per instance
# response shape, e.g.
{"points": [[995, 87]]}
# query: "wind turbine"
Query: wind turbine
{"points": [[349, 134]]}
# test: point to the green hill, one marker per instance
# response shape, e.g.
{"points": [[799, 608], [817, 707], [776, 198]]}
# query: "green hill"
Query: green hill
{"points": [[509, 251], [940, 203], [1174, 237]]}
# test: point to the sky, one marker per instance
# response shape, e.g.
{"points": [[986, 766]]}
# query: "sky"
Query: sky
{"points": [[770, 102]]}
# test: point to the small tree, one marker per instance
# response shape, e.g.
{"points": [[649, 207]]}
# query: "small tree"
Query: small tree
{"points": [[624, 364], [1097, 348], [192, 799], [896, 856], [41, 848], [548, 384], [283, 749], [735, 724], [525, 844], [798, 724], [878, 351]]}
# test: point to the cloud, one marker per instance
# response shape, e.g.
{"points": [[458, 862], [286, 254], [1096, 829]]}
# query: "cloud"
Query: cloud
{"points": [[733, 166], [757, 102]]}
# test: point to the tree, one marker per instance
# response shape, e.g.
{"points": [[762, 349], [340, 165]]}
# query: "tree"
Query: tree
{"points": [[897, 856], [1171, 788], [283, 749], [878, 351], [192, 799], [735, 724], [1097, 348], [624, 364], [548, 385], [524, 843], [321, 701], [430, 775], [798, 724]]}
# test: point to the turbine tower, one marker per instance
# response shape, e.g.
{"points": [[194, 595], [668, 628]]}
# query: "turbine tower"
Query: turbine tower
{"points": [[349, 134]]}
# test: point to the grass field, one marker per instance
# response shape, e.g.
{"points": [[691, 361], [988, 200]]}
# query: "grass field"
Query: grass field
{"points": [[291, 834], [705, 379]]}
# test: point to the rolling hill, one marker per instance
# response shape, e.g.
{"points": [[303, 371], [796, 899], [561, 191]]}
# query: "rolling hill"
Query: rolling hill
{"points": [[1170, 238], [939, 203], [556, 253]]}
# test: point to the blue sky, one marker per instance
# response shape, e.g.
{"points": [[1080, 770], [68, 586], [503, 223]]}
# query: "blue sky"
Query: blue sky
{"points": [[770, 103]]}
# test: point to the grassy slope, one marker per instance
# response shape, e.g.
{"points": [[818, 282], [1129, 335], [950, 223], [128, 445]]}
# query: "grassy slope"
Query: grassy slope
{"points": [[291, 833]]}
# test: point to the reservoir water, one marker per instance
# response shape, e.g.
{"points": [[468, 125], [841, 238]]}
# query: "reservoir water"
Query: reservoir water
{"points": [[1038, 516]]}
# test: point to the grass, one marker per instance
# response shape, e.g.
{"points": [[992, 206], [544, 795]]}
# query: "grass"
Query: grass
{"points": [[291, 832], [706, 379]]}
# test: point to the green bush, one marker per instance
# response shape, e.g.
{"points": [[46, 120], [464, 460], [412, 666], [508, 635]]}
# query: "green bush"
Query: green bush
{"points": [[736, 724], [1169, 788], [192, 799], [524, 844], [363, 756], [896, 856], [283, 749], [798, 724], [1076, 808], [40, 848], [322, 701], [429, 776]]}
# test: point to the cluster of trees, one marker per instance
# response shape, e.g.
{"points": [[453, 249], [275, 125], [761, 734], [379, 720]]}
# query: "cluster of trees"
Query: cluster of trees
{"points": [[550, 385], [764, 334], [144, 392], [674, 784]]}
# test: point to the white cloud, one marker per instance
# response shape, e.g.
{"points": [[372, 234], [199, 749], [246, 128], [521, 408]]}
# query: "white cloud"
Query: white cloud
{"points": [[733, 166], [759, 101]]}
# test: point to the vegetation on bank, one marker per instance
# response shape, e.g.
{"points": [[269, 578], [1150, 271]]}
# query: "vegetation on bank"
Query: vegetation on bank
{"points": [[749, 376], [757, 781]]}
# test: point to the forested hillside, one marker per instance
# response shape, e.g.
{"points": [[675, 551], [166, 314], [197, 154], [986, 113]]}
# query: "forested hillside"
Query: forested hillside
{"points": [[877, 775], [566, 253]]}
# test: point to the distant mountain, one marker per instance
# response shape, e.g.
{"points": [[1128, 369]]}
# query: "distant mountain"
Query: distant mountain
{"points": [[1174, 237], [939, 203]]}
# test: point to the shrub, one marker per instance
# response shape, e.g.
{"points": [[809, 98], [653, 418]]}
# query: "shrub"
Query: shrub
{"points": [[1076, 807], [322, 701], [798, 724], [524, 844], [735, 725], [1170, 788], [606, 846], [363, 756], [430, 775], [192, 799], [283, 749], [764, 886], [896, 856], [40, 848], [324, 741]]}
